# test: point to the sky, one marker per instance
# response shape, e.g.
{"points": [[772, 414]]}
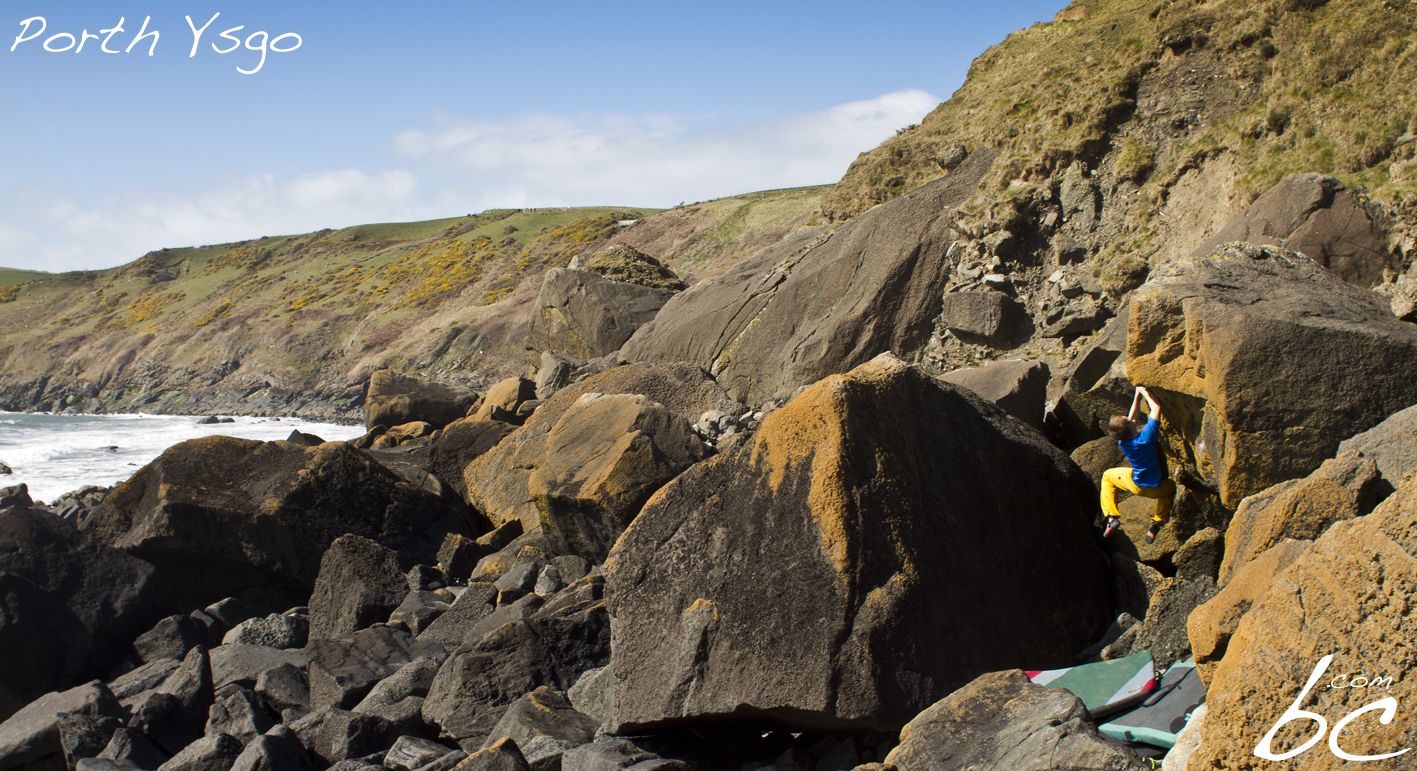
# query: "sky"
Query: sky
{"points": [[261, 118]]}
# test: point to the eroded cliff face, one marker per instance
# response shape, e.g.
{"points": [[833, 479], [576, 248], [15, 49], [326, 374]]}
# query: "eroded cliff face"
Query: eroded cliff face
{"points": [[1131, 133]]}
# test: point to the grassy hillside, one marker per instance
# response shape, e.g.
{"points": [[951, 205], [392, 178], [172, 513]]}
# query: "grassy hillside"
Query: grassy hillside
{"points": [[446, 298], [1286, 86]]}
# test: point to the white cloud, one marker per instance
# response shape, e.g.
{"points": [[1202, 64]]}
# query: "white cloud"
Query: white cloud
{"points": [[461, 165], [651, 160], [43, 228]]}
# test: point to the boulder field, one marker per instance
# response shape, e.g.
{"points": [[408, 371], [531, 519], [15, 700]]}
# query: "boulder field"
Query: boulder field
{"points": [[619, 563]]}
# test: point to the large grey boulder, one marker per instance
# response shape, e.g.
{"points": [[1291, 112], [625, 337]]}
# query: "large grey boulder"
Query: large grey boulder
{"points": [[1318, 217], [1019, 387], [258, 529], [588, 315], [500, 482], [1264, 361], [854, 529], [818, 303], [396, 399], [1001, 720], [360, 583], [988, 315], [343, 671], [477, 684], [31, 735], [69, 605]]}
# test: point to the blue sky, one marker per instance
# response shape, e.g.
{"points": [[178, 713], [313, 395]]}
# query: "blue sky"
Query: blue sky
{"points": [[436, 109]]}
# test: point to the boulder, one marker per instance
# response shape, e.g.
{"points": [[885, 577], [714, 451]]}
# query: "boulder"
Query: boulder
{"points": [[85, 736], [604, 458], [1210, 626], [279, 749], [278, 630], [238, 712], [502, 756], [452, 627], [617, 754], [259, 529], [175, 715], [285, 687], [1098, 455], [461, 442], [1302, 509], [818, 303], [210, 753], [396, 399], [412, 680], [477, 684], [504, 398], [418, 610], [17, 496], [31, 735], [1001, 720], [1200, 555], [238, 663], [587, 315], [544, 725], [554, 373], [1347, 596], [332, 735], [69, 605], [342, 672], [360, 584], [1392, 445], [499, 482], [1019, 387], [988, 315], [1263, 362], [411, 752], [593, 694], [171, 638], [866, 521], [134, 748], [1318, 217], [1093, 387]]}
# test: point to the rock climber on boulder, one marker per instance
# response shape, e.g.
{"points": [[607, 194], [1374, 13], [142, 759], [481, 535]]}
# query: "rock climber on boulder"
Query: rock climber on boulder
{"points": [[1148, 475]]}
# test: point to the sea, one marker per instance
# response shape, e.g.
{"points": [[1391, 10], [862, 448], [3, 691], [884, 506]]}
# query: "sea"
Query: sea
{"points": [[56, 454]]}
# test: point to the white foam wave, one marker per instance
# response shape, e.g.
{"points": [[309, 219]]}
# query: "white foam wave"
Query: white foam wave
{"points": [[55, 454]]}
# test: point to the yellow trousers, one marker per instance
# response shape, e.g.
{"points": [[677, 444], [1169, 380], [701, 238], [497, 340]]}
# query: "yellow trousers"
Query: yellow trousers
{"points": [[1115, 478]]}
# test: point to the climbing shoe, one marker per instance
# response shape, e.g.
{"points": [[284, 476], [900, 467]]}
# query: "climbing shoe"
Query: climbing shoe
{"points": [[1113, 524], [1152, 531]]}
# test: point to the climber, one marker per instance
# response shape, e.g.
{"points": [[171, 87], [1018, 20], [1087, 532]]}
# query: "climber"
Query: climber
{"points": [[1148, 475]]}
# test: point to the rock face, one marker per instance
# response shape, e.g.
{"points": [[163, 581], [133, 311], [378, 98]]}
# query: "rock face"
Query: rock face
{"points": [[1001, 720], [1342, 488], [69, 605], [258, 529], [1210, 626], [816, 304], [587, 315], [1349, 596], [396, 399], [499, 482], [866, 523], [1264, 362], [1318, 217]]}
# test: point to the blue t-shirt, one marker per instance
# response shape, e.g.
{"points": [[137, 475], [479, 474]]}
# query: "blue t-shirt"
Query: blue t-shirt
{"points": [[1148, 468]]}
